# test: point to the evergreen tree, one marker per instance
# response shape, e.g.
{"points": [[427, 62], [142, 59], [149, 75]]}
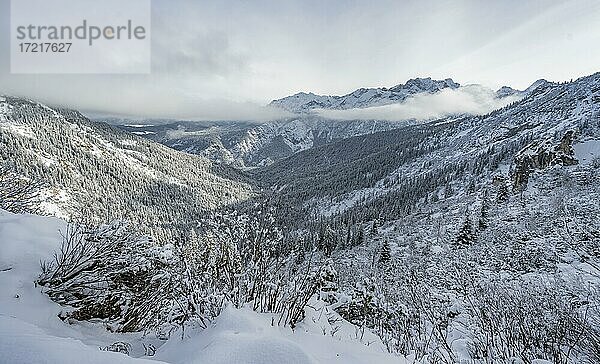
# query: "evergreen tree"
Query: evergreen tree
{"points": [[364, 307], [374, 230], [385, 252], [483, 212], [466, 236], [448, 191], [502, 192], [328, 278], [472, 186], [348, 241], [328, 241], [359, 238]]}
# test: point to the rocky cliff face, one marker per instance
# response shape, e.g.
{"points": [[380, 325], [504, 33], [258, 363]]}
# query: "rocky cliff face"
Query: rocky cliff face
{"points": [[540, 155]]}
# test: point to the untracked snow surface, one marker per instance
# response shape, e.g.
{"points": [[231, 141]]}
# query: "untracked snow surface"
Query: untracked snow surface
{"points": [[587, 151], [31, 332], [245, 337]]}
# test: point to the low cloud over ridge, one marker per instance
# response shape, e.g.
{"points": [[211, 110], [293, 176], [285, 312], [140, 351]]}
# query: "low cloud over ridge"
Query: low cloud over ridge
{"points": [[471, 99]]}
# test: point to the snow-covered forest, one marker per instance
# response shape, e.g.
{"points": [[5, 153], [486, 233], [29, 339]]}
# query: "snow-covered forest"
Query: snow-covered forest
{"points": [[462, 239]]}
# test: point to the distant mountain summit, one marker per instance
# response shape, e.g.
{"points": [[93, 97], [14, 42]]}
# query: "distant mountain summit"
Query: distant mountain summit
{"points": [[363, 97], [417, 85], [505, 91], [304, 103], [541, 83]]}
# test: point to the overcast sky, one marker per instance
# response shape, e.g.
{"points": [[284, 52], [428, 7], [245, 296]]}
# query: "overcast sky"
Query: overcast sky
{"points": [[223, 59]]}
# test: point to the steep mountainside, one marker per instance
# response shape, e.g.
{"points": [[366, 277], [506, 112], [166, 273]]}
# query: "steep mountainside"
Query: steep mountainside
{"points": [[244, 144], [95, 170], [487, 261]]}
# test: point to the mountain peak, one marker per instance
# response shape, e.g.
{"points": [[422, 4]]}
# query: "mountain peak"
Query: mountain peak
{"points": [[537, 84], [505, 91], [302, 93], [426, 85]]}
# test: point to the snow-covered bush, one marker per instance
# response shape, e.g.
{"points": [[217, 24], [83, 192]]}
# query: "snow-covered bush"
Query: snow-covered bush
{"points": [[130, 283], [408, 316], [125, 281], [527, 319], [328, 282], [364, 308], [257, 267]]}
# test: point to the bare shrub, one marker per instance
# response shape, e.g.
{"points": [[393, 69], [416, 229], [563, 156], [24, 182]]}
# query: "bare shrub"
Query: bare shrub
{"points": [[18, 194], [118, 347], [247, 259], [527, 320], [132, 284], [125, 281]]}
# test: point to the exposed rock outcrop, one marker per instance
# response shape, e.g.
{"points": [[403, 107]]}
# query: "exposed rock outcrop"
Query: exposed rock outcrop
{"points": [[540, 155]]}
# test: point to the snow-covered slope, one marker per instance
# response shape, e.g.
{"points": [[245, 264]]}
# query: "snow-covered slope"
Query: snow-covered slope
{"points": [[545, 236], [506, 91], [244, 144], [242, 336], [31, 332], [588, 151], [106, 172]]}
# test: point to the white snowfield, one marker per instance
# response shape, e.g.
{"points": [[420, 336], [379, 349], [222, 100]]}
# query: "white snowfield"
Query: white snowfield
{"points": [[587, 151], [243, 336], [31, 332]]}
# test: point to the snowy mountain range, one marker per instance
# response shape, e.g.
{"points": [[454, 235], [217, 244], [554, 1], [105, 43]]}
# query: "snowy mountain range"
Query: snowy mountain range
{"points": [[376, 172], [302, 103], [363, 97], [249, 145]]}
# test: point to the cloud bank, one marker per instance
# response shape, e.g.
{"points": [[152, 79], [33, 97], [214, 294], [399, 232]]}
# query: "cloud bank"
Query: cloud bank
{"points": [[150, 101], [191, 109], [471, 99], [257, 51]]}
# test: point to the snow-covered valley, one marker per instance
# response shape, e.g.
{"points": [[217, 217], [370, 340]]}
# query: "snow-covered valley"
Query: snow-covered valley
{"points": [[470, 238], [299, 182]]}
